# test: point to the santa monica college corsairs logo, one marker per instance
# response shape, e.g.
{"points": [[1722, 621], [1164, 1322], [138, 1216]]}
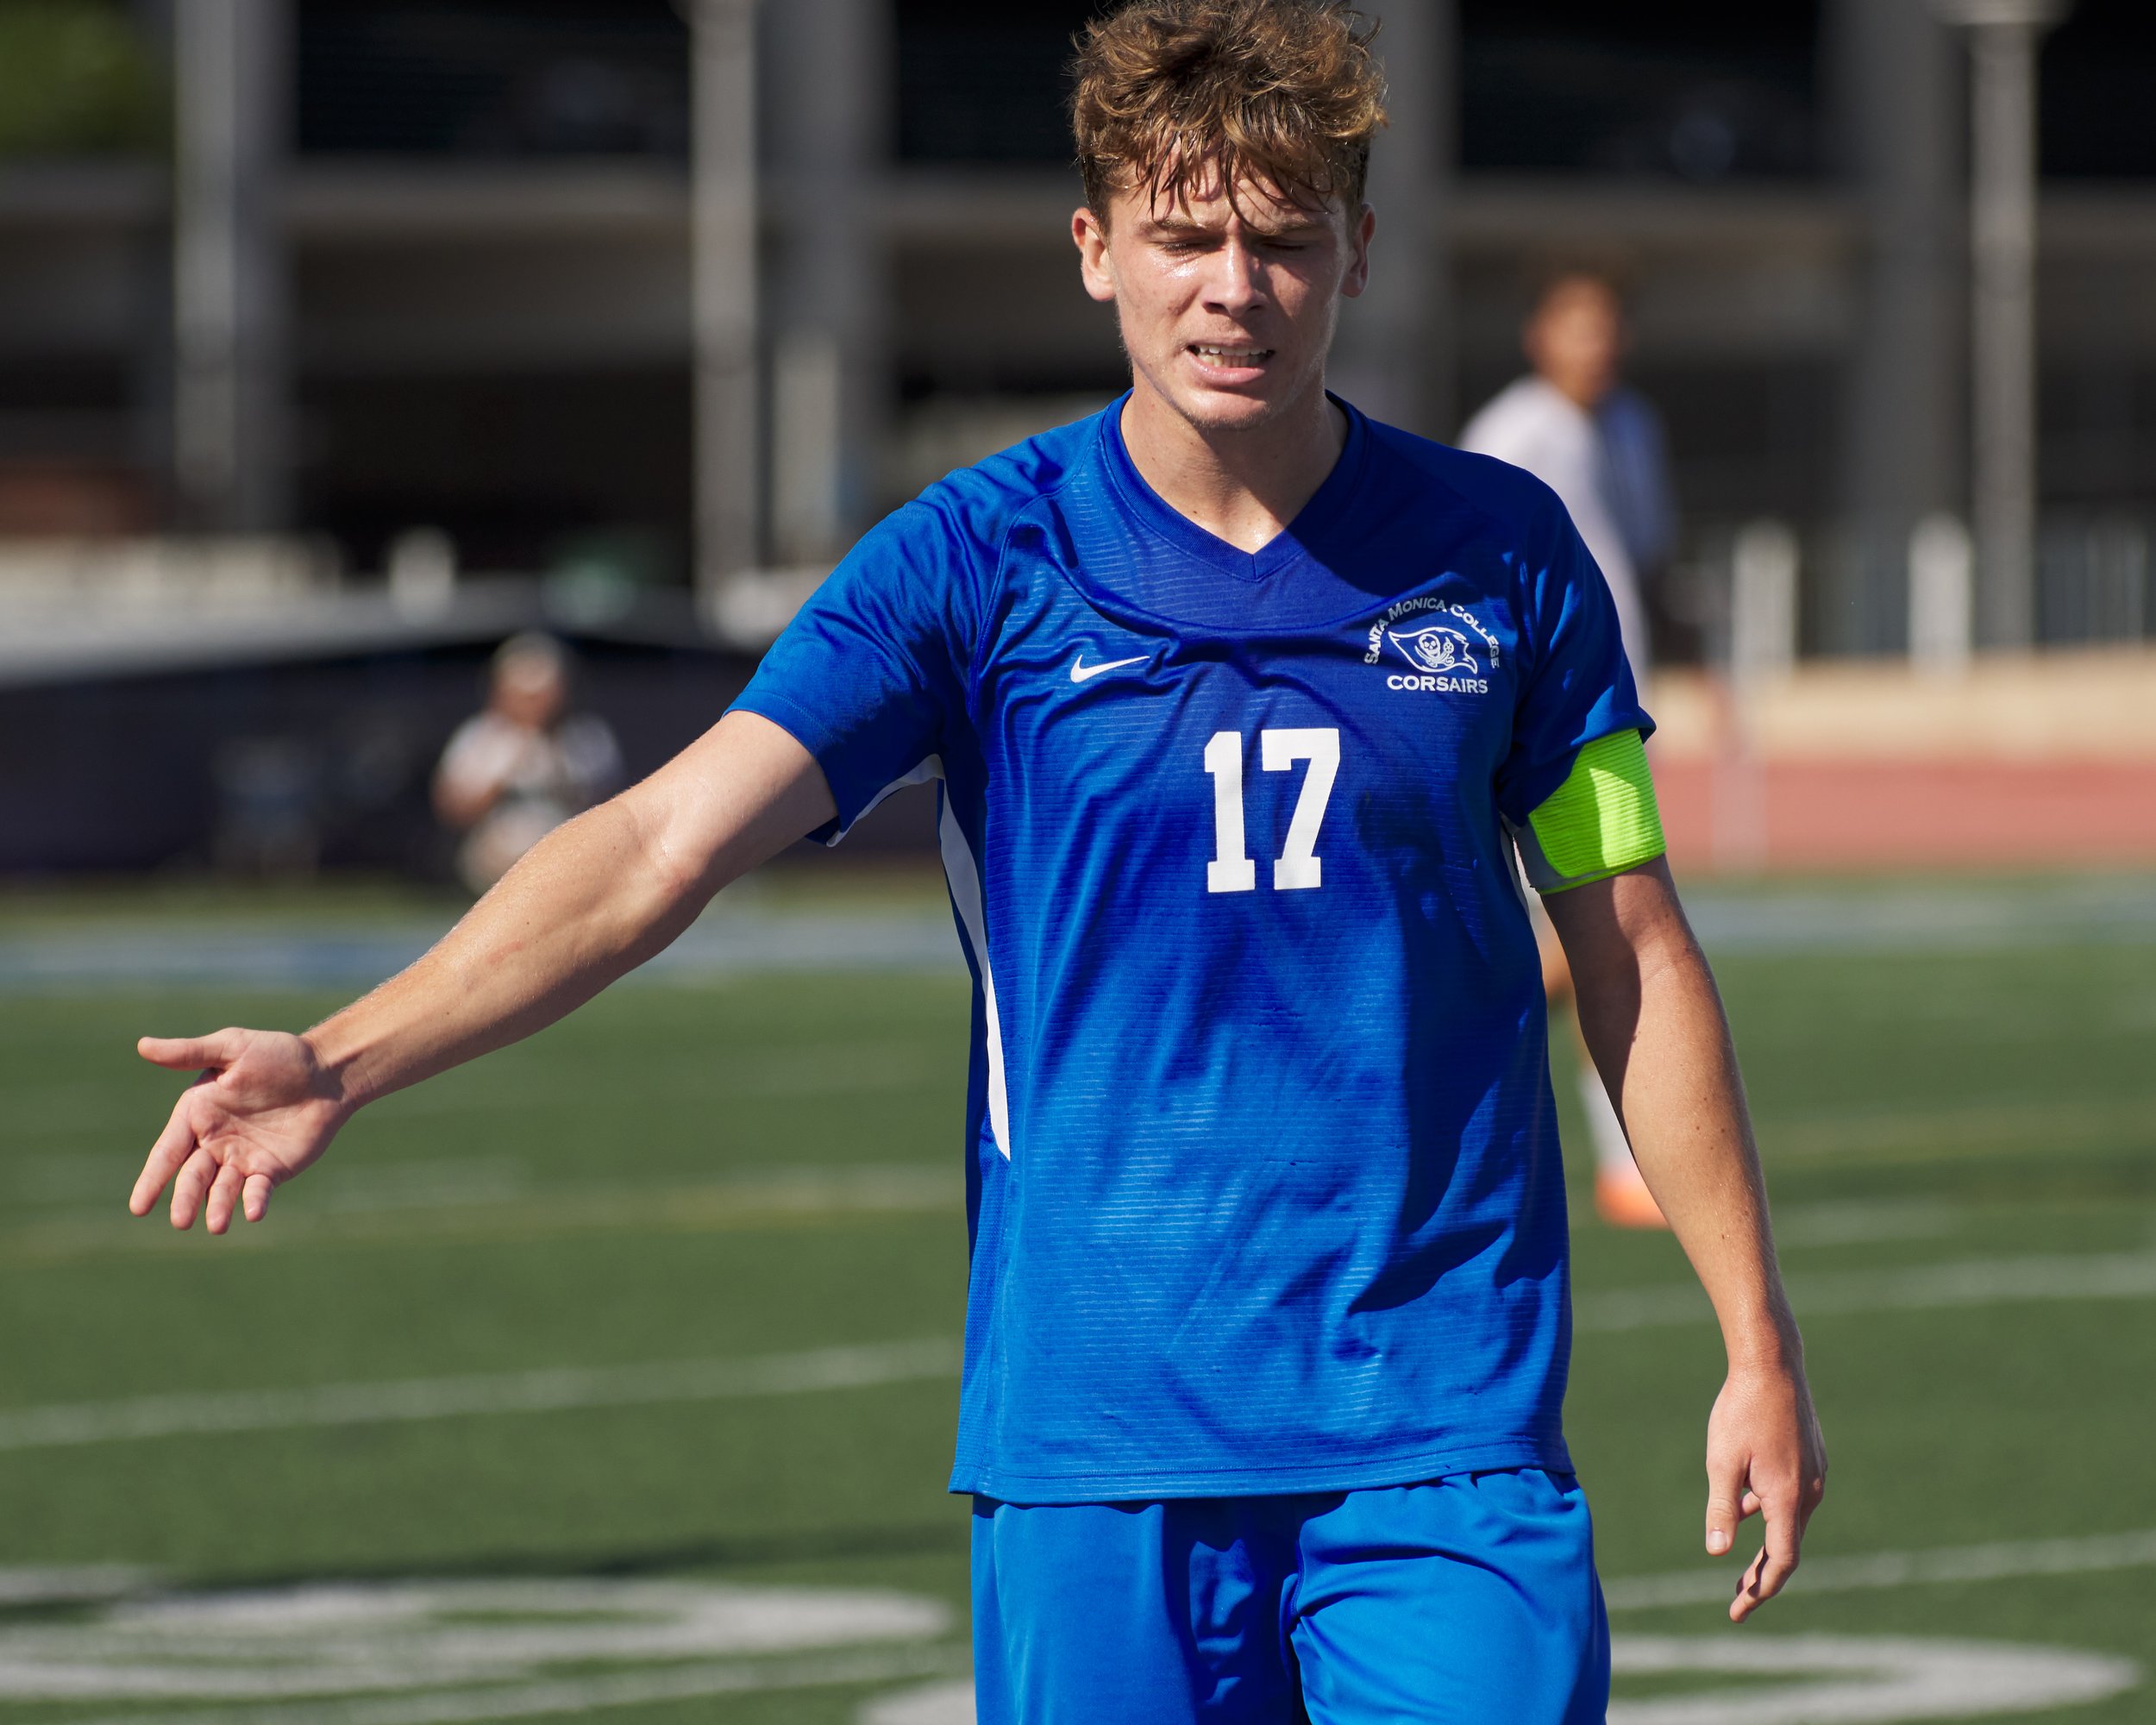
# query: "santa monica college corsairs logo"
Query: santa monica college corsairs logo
{"points": [[1451, 651], [1436, 649]]}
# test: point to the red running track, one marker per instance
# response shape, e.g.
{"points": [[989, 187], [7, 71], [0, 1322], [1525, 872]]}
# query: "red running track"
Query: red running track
{"points": [[1872, 814]]}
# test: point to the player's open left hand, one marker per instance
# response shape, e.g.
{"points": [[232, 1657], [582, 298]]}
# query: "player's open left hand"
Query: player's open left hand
{"points": [[263, 1109], [1765, 1457]]}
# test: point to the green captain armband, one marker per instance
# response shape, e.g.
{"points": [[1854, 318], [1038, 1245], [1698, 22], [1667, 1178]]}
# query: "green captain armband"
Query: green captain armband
{"points": [[1599, 822]]}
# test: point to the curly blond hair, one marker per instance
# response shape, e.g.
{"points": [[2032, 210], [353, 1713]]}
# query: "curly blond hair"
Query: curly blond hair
{"points": [[1178, 95]]}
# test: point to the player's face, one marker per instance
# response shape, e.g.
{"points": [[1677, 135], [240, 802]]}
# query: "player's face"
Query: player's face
{"points": [[1227, 305]]}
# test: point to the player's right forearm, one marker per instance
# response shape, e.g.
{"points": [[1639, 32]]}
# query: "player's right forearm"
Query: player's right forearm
{"points": [[591, 900], [582, 909]]}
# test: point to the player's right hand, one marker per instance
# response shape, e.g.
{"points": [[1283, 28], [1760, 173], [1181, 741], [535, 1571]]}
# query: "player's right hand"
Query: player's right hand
{"points": [[263, 1108]]}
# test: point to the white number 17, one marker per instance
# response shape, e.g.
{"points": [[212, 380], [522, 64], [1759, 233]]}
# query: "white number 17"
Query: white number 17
{"points": [[1299, 866]]}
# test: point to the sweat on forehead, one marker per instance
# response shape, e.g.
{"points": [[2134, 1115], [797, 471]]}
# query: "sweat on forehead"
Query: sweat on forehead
{"points": [[1208, 198]]}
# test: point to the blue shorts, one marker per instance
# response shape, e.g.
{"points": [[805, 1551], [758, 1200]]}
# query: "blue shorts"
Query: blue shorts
{"points": [[1467, 1599]]}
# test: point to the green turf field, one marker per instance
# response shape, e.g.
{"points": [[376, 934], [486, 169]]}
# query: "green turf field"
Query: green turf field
{"points": [[729, 1211]]}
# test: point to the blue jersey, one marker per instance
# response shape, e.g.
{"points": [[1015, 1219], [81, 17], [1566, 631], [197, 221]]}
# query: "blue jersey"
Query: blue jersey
{"points": [[1264, 1181]]}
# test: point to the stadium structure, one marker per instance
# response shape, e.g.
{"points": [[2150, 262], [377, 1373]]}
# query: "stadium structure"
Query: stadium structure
{"points": [[343, 339]]}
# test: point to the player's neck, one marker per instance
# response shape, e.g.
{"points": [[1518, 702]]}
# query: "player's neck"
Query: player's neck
{"points": [[1244, 487]]}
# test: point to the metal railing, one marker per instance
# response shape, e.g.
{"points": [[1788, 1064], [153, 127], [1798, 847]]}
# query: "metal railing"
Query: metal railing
{"points": [[1762, 593]]}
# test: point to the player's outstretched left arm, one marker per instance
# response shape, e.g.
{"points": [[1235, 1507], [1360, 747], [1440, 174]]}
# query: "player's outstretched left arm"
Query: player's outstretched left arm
{"points": [[592, 900], [1654, 1023]]}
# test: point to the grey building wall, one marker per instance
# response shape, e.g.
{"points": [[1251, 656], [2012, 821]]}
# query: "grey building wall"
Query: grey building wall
{"points": [[480, 237]]}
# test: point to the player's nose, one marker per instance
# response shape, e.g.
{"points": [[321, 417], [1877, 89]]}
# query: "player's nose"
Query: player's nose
{"points": [[1237, 280]]}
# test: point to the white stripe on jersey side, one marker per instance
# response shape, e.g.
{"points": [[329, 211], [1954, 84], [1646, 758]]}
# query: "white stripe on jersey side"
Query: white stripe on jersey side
{"points": [[964, 875], [930, 769]]}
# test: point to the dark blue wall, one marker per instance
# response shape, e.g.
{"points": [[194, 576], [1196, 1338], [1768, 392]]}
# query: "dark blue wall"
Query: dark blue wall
{"points": [[203, 770]]}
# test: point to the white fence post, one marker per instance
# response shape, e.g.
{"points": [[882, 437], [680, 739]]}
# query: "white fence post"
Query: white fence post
{"points": [[1764, 561], [1942, 594], [1764, 565]]}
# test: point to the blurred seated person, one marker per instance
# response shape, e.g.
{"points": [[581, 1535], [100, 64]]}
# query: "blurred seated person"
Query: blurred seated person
{"points": [[1572, 423], [518, 769]]}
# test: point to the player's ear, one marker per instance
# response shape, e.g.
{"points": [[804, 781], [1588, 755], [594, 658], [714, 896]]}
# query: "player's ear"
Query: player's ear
{"points": [[1090, 234], [1360, 229]]}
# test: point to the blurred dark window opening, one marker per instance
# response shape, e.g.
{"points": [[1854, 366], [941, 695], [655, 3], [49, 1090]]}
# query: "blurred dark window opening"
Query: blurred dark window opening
{"points": [[2098, 68], [1690, 90], [985, 83], [542, 471], [547, 78], [1699, 92]]}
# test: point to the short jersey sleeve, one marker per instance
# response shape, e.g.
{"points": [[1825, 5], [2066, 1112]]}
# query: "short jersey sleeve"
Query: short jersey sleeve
{"points": [[871, 675], [1575, 685]]}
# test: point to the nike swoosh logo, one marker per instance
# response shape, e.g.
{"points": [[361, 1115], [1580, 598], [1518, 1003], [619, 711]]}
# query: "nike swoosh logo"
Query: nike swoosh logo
{"points": [[1081, 671]]}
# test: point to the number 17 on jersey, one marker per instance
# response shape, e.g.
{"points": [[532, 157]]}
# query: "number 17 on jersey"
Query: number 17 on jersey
{"points": [[1299, 867]]}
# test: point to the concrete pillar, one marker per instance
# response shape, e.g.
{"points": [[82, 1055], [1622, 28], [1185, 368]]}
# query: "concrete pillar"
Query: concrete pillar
{"points": [[231, 448], [723, 269], [1895, 87], [833, 79], [2003, 38], [1393, 357]]}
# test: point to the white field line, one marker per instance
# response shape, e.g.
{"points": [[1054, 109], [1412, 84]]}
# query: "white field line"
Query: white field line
{"points": [[580, 1695], [434, 1218], [2000, 1126], [69, 1424], [1882, 1570], [1980, 1282], [1862, 1679], [1878, 1223], [87, 1582], [938, 1703], [1853, 1680], [1926, 1287], [1865, 1680]]}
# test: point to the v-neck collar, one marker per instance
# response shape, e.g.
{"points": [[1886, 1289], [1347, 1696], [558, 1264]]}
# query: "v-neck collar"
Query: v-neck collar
{"points": [[1326, 504]]}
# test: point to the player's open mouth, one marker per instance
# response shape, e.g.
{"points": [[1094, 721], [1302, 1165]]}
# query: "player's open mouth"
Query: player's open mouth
{"points": [[1215, 357]]}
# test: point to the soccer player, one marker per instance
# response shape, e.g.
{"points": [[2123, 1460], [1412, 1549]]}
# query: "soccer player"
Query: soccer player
{"points": [[1234, 696], [1572, 424]]}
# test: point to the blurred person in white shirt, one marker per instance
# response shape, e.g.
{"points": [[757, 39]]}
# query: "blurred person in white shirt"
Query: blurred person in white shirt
{"points": [[1572, 423], [515, 771]]}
